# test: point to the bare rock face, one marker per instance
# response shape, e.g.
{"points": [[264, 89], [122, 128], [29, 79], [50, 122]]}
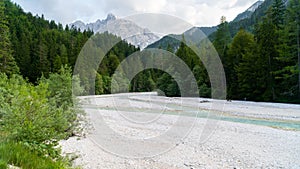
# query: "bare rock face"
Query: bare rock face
{"points": [[248, 12], [127, 30]]}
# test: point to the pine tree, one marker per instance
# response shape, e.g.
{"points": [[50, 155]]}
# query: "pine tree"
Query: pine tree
{"points": [[289, 72], [221, 44], [267, 34], [7, 62], [277, 12], [241, 44], [267, 39], [222, 38], [252, 72]]}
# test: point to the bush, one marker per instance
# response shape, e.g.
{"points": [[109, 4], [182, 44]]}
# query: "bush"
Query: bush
{"points": [[37, 116], [61, 98], [27, 116]]}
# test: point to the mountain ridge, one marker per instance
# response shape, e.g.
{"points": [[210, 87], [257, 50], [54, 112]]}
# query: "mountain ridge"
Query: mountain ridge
{"points": [[248, 12], [253, 13], [126, 29]]}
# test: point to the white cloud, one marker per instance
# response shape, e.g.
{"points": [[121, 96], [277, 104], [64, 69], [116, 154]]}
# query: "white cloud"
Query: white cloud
{"points": [[196, 12]]}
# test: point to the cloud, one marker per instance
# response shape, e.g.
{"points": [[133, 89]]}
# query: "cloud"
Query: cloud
{"points": [[196, 12]]}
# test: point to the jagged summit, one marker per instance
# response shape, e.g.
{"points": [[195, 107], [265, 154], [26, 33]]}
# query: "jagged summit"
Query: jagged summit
{"points": [[128, 30], [255, 6], [111, 16]]}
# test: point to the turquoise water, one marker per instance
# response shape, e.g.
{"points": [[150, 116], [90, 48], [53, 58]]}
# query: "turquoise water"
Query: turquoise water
{"points": [[191, 111], [288, 125]]}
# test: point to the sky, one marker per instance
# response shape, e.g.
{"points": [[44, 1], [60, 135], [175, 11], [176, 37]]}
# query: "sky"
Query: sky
{"points": [[196, 12]]}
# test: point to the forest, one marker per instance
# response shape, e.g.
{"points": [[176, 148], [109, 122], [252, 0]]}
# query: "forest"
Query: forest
{"points": [[261, 58], [37, 58], [263, 65]]}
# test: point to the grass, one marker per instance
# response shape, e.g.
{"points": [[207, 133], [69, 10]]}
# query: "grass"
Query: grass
{"points": [[19, 155], [3, 164]]}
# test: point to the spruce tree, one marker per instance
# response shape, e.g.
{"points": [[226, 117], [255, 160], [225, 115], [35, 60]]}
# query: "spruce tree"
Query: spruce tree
{"points": [[240, 45], [7, 62], [277, 12], [289, 59]]}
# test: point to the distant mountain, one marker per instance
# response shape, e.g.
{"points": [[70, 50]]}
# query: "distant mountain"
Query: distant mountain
{"points": [[248, 12], [208, 30], [127, 30], [245, 20], [249, 22], [173, 41]]}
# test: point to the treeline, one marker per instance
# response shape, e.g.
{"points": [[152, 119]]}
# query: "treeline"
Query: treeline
{"points": [[261, 62], [263, 65], [146, 81], [37, 45]]}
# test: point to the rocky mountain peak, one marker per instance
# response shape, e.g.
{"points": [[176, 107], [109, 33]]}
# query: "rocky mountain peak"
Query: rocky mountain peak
{"points": [[111, 17], [128, 30]]}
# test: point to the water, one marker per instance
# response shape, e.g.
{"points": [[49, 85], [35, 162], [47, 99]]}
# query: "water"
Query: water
{"points": [[175, 109]]}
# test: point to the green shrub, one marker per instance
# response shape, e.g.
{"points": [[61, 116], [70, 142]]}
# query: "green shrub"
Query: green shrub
{"points": [[28, 116], [38, 116], [61, 98]]}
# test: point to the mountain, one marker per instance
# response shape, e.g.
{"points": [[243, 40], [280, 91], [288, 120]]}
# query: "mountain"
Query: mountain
{"points": [[248, 12], [245, 20], [249, 22], [96, 26], [173, 41], [127, 30]]}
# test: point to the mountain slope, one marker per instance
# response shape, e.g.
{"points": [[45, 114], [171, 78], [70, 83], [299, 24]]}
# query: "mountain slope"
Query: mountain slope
{"points": [[248, 12], [249, 22], [173, 41]]}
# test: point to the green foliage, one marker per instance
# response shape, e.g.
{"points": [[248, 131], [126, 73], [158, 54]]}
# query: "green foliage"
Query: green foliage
{"points": [[202, 81], [165, 43], [241, 44], [99, 86], [38, 116], [37, 43], [3, 164], [288, 72], [222, 39], [251, 72], [7, 62], [61, 98], [168, 85], [277, 12], [27, 115]]}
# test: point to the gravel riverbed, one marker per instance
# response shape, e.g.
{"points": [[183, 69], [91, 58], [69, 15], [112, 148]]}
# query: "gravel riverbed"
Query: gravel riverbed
{"points": [[141, 130]]}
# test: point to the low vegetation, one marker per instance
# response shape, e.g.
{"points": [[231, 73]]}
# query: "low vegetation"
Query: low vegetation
{"points": [[33, 118]]}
